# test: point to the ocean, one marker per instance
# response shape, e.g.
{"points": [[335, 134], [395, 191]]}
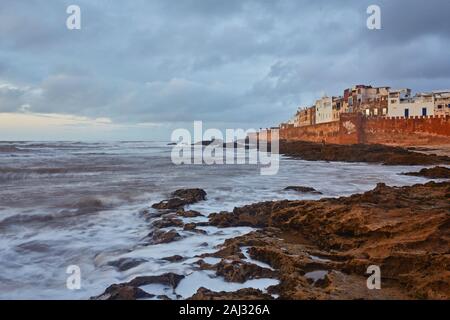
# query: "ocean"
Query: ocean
{"points": [[89, 204]]}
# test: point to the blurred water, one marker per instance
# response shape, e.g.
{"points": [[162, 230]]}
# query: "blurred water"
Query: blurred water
{"points": [[65, 203]]}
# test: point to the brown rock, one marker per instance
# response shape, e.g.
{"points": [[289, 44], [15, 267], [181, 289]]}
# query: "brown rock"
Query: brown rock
{"points": [[404, 230], [175, 258], [188, 214], [190, 226], [169, 279], [191, 195], [254, 215], [303, 189], [158, 237], [131, 290], [243, 294], [181, 198], [167, 222], [123, 292], [358, 153], [432, 173], [237, 271], [174, 203]]}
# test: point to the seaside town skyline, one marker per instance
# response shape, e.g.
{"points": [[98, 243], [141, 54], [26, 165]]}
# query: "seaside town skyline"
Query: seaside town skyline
{"points": [[373, 101]]}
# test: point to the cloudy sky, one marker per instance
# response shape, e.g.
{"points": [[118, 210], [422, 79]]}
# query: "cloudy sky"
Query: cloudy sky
{"points": [[138, 69]]}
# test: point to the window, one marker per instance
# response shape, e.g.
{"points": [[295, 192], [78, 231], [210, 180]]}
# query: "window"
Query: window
{"points": [[424, 111], [384, 111], [375, 112], [406, 113]]}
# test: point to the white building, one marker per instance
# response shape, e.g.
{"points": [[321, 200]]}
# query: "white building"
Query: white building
{"points": [[401, 104], [324, 110], [442, 103]]}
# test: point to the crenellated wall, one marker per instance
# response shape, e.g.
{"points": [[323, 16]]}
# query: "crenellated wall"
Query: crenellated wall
{"points": [[355, 128], [411, 131]]}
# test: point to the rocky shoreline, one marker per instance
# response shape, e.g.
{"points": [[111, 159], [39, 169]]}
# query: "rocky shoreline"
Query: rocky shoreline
{"points": [[405, 231], [318, 249], [321, 249], [387, 155]]}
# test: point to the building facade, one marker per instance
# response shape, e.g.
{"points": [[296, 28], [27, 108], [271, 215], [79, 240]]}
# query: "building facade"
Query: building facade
{"points": [[442, 103], [324, 110], [401, 104], [368, 100], [373, 102], [306, 117], [337, 107]]}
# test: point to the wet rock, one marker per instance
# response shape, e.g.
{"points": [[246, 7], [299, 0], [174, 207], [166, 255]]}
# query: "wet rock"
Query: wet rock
{"points": [[180, 198], [189, 213], [358, 153], [190, 195], [432, 173], [204, 266], [167, 222], [158, 236], [302, 189], [230, 250], [168, 279], [243, 294], [238, 271], [131, 290], [124, 264], [255, 215], [123, 292], [175, 258], [190, 226], [174, 203], [404, 230], [323, 282]]}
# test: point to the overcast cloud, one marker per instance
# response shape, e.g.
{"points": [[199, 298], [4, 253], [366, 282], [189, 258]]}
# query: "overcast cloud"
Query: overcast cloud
{"points": [[235, 62]]}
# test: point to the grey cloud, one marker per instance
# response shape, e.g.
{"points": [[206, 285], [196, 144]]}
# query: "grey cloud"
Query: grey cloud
{"points": [[229, 61], [11, 98]]}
